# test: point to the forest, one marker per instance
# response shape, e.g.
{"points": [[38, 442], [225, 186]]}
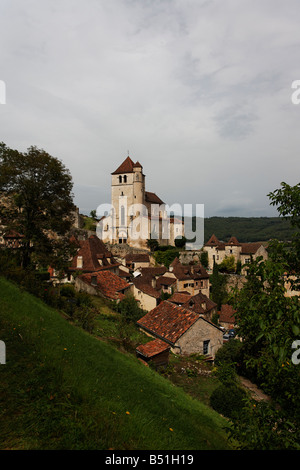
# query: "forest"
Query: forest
{"points": [[247, 229]]}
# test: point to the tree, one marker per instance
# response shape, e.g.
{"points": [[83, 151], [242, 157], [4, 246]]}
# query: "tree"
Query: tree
{"points": [[218, 287], [228, 265], [39, 203], [268, 324], [204, 259]]}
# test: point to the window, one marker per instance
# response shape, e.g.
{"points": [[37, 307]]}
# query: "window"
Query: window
{"points": [[125, 179], [122, 215], [205, 347], [120, 179]]}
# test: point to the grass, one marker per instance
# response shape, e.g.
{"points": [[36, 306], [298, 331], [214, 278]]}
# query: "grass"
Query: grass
{"points": [[61, 388]]}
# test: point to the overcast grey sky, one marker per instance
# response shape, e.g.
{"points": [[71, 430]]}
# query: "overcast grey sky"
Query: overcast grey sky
{"points": [[198, 91]]}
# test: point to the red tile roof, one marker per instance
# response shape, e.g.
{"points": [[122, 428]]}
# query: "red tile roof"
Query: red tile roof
{"points": [[92, 250], [233, 241], [152, 198], [183, 272], [165, 281], [200, 304], [137, 257], [180, 297], [127, 166], [250, 248], [168, 321], [227, 314], [213, 241], [108, 283], [142, 284], [153, 348]]}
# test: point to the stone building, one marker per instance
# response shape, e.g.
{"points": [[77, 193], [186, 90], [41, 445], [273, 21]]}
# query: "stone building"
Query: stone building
{"points": [[243, 252], [136, 215], [191, 278], [184, 330]]}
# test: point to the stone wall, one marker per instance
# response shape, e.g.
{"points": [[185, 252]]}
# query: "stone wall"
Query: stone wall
{"points": [[185, 257]]}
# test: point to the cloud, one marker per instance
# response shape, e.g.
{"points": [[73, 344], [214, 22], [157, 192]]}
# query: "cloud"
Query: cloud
{"points": [[197, 91]]}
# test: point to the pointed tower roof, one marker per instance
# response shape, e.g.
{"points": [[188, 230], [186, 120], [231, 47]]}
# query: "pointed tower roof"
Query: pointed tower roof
{"points": [[233, 241], [125, 167], [212, 241]]}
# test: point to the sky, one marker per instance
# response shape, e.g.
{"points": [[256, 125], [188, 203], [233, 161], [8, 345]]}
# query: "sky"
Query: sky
{"points": [[198, 91]]}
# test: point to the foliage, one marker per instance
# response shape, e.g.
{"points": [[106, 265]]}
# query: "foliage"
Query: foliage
{"points": [[37, 189], [204, 259], [228, 400], [180, 242], [262, 426], [247, 229], [268, 323], [218, 287], [166, 256], [227, 265], [64, 389], [152, 244], [230, 353], [129, 309]]}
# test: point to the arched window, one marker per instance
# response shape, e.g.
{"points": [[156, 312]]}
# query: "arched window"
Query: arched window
{"points": [[120, 179], [125, 179]]}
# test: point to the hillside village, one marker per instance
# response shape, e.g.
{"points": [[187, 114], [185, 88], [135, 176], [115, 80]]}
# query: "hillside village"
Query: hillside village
{"points": [[179, 313], [179, 300]]}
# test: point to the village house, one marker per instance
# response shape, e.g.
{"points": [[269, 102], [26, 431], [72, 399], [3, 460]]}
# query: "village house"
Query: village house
{"points": [[93, 256], [103, 283], [217, 251], [143, 291], [134, 261], [184, 330], [191, 278], [198, 303]]}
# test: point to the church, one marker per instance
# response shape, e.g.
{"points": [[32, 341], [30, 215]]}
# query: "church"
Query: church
{"points": [[136, 215]]}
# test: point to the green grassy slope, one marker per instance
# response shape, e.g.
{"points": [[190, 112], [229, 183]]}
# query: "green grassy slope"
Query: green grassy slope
{"points": [[63, 389]]}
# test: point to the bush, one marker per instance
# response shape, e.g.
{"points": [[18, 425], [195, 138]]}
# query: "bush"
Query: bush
{"points": [[129, 309], [230, 352], [67, 290], [228, 400]]}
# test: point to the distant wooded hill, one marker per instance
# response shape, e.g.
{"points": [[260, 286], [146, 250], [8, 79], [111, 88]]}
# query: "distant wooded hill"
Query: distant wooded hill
{"points": [[247, 229]]}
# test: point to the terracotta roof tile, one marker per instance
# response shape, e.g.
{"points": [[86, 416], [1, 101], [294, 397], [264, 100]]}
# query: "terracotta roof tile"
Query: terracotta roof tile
{"points": [[153, 348], [227, 314], [152, 198], [189, 272], [142, 284], [92, 250], [250, 248], [200, 304], [137, 257], [125, 167], [108, 283], [180, 297], [168, 321]]}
